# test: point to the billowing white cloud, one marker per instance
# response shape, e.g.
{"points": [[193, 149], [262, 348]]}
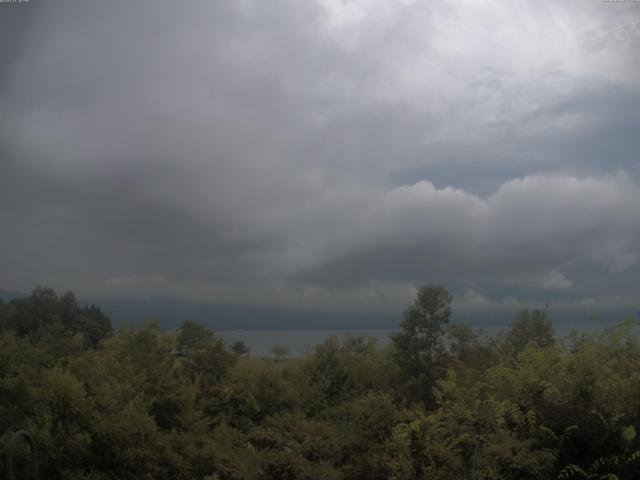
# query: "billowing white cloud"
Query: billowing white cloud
{"points": [[526, 234]]}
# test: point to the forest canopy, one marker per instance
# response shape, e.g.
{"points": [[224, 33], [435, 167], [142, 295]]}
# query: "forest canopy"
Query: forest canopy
{"points": [[442, 401]]}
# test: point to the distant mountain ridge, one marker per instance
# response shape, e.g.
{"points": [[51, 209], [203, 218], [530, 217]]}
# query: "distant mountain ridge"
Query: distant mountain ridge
{"points": [[170, 313]]}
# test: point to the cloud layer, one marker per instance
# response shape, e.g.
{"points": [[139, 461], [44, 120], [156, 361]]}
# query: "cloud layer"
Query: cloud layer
{"points": [[322, 154]]}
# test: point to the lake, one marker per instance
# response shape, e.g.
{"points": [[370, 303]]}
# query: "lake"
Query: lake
{"points": [[298, 341]]}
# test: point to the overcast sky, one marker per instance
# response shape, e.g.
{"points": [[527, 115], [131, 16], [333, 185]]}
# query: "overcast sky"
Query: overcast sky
{"points": [[324, 154]]}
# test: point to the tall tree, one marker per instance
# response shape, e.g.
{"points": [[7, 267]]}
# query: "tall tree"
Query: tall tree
{"points": [[46, 314], [529, 326], [193, 336], [205, 352], [418, 346]]}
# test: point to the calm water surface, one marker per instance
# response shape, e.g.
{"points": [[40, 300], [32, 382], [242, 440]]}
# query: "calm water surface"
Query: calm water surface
{"points": [[299, 341]]}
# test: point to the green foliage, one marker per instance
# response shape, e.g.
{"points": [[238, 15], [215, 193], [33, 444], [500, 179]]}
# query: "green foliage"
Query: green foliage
{"points": [[471, 349], [293, 447], [279, 351], [338, 370], [193, 337], [147, 404], [45, 314], [530, 326], [240, 348], [419, 349], [206, 357]]}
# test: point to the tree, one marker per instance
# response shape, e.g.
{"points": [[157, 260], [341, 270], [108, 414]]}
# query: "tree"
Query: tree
{"points": [[470, 347], [279, 351], [418, 346], [529, 326], [94, 324], [193, 336], [29, 316], [44, 314], [240, 348], [205, 353]]}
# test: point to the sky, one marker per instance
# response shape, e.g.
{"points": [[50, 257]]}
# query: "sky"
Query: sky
{"points": [[327, 155]]}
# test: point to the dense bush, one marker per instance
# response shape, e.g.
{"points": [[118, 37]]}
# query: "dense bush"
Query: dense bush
{"points": [[147, 404]]}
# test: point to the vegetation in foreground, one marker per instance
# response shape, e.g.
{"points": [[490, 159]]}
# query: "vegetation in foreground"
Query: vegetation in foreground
{"points": [[146, 404]]}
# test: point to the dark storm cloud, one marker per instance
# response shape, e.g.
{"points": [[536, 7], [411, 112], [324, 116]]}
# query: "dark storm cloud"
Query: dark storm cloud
{"points": [[302, 152]]}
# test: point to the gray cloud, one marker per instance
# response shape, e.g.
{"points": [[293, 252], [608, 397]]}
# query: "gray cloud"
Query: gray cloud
{"points": [[321, 153]]}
